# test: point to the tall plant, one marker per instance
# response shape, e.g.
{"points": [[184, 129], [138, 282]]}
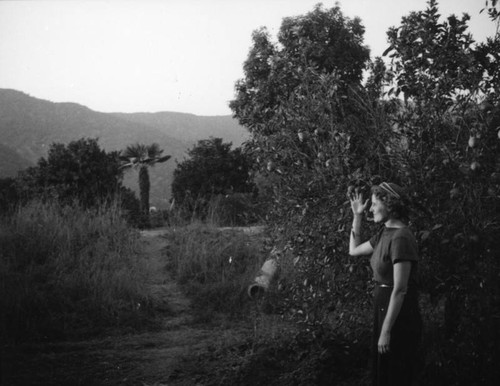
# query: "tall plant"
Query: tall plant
{"points": [[143, 157]]}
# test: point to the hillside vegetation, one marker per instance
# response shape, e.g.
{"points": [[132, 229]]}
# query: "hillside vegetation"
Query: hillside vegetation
{"points": [[28, 126]]}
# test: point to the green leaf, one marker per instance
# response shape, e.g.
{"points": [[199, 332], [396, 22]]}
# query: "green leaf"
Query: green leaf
{"points": [[389, 49]]}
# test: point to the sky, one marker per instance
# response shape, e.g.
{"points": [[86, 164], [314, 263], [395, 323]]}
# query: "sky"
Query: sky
{"points": [[170, 55]]}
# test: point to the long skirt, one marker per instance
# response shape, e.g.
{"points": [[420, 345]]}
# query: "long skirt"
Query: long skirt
{"points": [[398, 366]]}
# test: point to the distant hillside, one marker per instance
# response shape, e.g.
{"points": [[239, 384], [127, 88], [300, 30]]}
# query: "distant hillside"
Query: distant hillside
{"points": [[191, 128], [29, 125]]}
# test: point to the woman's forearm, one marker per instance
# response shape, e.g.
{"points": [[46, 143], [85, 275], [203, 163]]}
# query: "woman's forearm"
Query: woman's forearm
{"points": [[401, 278], [395, 304], [355, 236]]}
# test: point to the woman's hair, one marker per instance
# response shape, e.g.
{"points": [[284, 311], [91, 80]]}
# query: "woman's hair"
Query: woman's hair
{"points": [[394, 198]]}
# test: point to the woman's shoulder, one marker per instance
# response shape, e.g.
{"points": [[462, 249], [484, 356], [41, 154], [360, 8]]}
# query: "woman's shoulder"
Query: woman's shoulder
{"points": [[404, 232], [404, 242]]}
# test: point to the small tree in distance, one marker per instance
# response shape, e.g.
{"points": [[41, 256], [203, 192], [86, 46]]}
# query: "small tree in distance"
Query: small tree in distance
{"points": [[142, 157], [212, 169], [80, 171]]}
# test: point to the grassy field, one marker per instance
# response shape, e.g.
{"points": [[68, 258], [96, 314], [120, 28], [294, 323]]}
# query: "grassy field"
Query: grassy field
{"points": [[66, 272], [214, 267]]}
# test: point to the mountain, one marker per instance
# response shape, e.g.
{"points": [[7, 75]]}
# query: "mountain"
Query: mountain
{"points": [[28, 126], [189, 127]]}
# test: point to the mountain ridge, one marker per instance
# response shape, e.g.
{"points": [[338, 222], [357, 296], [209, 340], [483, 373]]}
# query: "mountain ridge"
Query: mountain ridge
{"points": [[29, 125]]}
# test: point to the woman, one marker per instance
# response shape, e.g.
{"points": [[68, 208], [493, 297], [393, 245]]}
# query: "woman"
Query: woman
{"points": [[397, 323]]}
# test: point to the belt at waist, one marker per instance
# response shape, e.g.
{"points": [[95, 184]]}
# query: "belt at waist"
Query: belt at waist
{"points": [[409, 290]]}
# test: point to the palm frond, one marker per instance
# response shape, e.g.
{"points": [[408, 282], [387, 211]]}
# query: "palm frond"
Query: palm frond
{"points": [[123, 158], [137, 150], [164, 158], [127, 165], [139, 154], [153, 150]]}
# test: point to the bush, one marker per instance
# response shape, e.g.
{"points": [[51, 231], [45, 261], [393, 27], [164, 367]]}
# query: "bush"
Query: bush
{"points": [[66, 272]]}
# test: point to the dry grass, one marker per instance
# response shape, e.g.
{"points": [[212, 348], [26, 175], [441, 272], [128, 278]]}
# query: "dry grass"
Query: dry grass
{"points": [[68, 271], [214, 267]]}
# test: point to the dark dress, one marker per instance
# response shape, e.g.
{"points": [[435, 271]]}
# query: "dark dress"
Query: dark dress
{"points": [[396, 368]]}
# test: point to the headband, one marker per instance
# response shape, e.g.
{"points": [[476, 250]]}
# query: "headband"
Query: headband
{"points": [[385, 186]]}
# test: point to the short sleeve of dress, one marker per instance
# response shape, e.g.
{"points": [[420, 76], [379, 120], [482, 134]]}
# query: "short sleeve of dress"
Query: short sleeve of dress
{"points": [[404, 248]]}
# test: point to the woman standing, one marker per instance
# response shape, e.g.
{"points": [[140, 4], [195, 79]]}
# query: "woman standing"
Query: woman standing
{"points": [[397, 322]]}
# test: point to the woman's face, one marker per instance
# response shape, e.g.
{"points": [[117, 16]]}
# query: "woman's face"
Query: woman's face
{"points": [[379, 210]]}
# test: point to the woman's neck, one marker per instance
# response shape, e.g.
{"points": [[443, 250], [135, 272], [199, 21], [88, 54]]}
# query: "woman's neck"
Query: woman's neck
{"points": [[394, 223]]}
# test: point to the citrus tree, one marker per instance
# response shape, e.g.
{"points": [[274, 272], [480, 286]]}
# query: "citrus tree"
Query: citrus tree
{"points": [[450, 121], [315, 130], [428, 118], [323, 40]]}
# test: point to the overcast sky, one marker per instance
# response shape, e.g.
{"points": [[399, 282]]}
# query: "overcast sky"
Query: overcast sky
{"points": [[171, 55]]}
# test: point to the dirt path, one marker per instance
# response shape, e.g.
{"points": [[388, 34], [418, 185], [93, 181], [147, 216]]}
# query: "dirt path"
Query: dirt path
{"points": [[166, 357]]}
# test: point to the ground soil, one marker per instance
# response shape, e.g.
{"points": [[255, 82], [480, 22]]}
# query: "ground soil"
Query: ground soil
{"points": [[175, 354]]}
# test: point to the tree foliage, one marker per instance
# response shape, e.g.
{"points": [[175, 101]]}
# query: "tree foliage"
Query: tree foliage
{"points": [[323, 41], [317, 130], [322, 132], [213, 168], [434, 60], [491, 6], [450, 121], [8, 194], [79, 171]]}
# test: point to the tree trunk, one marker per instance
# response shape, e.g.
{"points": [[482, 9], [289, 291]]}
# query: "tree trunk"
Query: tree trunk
{"points": [[144, 186]]}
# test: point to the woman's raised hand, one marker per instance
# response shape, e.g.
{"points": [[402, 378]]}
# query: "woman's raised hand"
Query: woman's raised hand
{"points": [[357, 204]]}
